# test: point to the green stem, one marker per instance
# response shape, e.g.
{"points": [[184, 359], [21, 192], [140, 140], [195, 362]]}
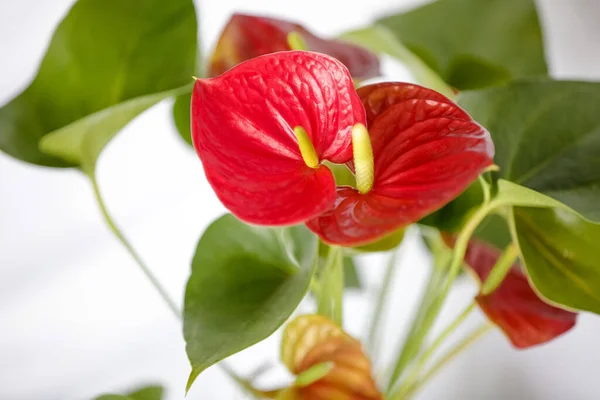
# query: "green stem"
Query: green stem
{"points": [[151, 277], [445, 359], [500, 269], [493, 280], [462, 241], [419, 330], [143, 267], [331, 288], [435, 306], [373, 338], [414, 375]]}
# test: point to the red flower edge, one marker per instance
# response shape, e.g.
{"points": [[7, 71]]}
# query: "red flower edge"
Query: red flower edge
{"points": [[426, 150]]}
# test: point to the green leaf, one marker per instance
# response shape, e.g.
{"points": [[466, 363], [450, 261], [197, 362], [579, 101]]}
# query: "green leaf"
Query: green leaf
{"points": [[561, 253], [148, 393], [558, 246], [81, 142], [381, 40], [182, 117], [245, 283], [547, 137], [108, 61], [474, 43], [145, 393]]}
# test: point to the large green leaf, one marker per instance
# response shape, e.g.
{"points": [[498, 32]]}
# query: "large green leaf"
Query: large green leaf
{"points": [[108, 61], [561, 253], [547, 137], [558, 246], [145, 393], [474, 43], [245, 282]]}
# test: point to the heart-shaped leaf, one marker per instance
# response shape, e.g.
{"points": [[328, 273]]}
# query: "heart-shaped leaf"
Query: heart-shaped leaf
{"points": [[467, 42], [108, 61], [561, 253], [558, 246], [245, 282]]}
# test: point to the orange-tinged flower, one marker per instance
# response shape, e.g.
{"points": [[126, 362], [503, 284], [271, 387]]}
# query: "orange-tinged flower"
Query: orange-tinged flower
{"points": [[310, 341]]}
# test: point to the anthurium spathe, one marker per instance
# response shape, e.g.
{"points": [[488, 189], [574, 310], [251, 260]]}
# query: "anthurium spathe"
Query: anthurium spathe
{"points": [[513, 306], [426, 151], [248, 36], [263, 128], [329, 364]]}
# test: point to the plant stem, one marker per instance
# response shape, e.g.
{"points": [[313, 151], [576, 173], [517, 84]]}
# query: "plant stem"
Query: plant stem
{"points": [[143, 267], [414, 375], [244, 385], [435, 305], [373, 338], [419, 330], [331, 288], [445, 359], [500, 269]]}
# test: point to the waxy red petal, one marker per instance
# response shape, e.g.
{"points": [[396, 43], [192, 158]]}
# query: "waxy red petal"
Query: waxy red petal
{"points": [[248, 36], [514, 306], [427, 150], [242, 129]]}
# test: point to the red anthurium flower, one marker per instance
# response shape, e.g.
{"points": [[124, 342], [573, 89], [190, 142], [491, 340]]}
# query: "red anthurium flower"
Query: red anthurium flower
{"points": [[514, 306], [426, 151], [247, 36], [263, 128]]}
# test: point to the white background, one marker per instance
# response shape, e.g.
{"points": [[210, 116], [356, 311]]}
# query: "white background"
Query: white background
{"points": [[76, 316]]}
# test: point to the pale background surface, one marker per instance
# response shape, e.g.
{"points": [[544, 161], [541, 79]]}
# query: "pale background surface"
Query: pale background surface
{"points": [[77, 318]]}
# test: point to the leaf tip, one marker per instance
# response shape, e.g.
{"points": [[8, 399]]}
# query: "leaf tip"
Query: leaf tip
{"points": [[193, 375]]}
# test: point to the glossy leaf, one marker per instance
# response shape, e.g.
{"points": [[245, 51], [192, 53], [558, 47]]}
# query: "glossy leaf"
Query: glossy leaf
{"points": [[561, 253], [101, 69], [547, 137], [248, 36], [557, 245], [243, 126], [245, 282], [311, 340], [468, 44], [525, 318], [146, 393], [427, 151]]}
